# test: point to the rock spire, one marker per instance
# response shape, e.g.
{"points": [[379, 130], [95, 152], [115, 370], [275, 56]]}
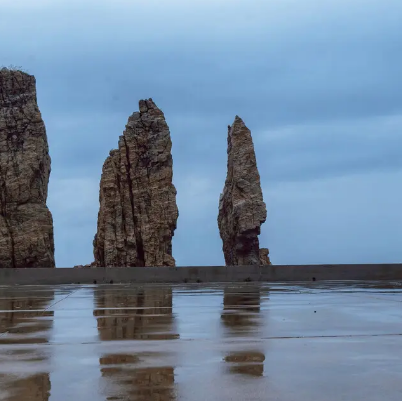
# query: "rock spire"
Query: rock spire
{"points": [[241, 206], [26, 224], [138, 211]]}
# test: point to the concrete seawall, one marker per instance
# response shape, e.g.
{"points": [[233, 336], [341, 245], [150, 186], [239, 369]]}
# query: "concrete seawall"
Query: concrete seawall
{"points": [[201, 274]]}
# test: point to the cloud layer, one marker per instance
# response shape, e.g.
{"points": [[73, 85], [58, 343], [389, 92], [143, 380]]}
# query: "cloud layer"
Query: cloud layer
{"points": [[318, 83]]}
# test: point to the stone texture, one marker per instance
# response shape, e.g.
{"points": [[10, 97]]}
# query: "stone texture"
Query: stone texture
{"points": [[241, 206], [93, 264], [138, 212], [264, 256], [26, 224]]}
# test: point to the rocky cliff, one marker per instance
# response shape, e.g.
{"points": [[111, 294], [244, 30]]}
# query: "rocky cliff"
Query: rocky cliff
{"points": [[241, 206], [138, 211], [26, 224]]}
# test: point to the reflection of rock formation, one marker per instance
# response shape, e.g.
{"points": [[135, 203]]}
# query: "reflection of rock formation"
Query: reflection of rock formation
{"points": [[125, 381], [145, 313], [31, 388], [241, 306], [248, 363], [140, 314], [24, 321]]}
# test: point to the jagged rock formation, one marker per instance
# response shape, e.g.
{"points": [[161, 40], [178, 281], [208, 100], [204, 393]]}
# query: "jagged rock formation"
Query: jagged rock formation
{"points": [[26, 224], [241, 206], [264, 256], [93, 264], [138, 211]]}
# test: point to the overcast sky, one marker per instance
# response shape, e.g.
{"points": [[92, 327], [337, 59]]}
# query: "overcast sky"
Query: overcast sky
{"points": [[318, 82]]}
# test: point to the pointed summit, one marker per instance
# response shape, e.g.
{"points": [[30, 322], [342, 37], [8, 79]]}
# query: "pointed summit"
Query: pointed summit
{"points": [[241, 206], [138, 212]]}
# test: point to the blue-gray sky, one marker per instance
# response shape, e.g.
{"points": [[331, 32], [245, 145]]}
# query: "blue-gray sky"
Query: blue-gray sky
{"points": [[318, 82]]}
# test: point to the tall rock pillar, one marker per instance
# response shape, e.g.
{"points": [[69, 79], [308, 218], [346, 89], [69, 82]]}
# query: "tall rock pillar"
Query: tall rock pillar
{"points": [[138, 212], [241, 206], [26, 224]]}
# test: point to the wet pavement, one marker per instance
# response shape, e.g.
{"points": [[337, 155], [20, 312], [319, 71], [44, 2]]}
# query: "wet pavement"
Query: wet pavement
{"points": [[316, 341]]}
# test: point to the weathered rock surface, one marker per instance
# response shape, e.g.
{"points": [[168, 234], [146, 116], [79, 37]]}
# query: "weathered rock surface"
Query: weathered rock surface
{"points": [[26, 224], [93, 264], [264, 256], [241, 206], [138, 212]]}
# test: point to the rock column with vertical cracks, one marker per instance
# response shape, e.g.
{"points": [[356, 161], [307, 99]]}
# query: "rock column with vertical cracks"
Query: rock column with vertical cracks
{"points": [[26, 224], [138, 212], [241, 206]]}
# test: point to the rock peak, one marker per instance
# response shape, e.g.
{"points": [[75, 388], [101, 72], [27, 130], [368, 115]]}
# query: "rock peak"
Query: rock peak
{"points": [[138, 212], [147, 104], [241, 206]]}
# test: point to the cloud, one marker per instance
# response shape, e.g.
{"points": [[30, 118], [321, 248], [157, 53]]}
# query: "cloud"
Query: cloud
{"points": [[82, 142], [335, 148], [316, 82], [74, 203], [339, 220], [197, 240]]}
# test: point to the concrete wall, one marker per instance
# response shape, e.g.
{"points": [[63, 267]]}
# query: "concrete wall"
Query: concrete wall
{"points": [[201, 274]]}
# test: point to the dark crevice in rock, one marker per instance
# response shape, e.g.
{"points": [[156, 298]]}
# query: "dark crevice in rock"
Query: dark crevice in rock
{"points": [[3, 190]]}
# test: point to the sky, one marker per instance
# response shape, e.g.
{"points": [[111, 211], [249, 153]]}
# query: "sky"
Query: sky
{"points": [[318, 82]]}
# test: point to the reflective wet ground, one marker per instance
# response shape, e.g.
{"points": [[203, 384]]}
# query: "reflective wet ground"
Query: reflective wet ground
{"points": [[333, 341]]}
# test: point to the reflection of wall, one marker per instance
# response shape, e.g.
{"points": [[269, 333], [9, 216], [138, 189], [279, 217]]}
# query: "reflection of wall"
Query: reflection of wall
{"points": [[138, 314], [240, 316], [24, 320]]}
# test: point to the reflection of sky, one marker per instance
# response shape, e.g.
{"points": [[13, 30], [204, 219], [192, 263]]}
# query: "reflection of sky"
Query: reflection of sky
{"points": [[198, 361], [75, 368], [317, 82], [306, 330], [201, 360], [193, 313]]}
